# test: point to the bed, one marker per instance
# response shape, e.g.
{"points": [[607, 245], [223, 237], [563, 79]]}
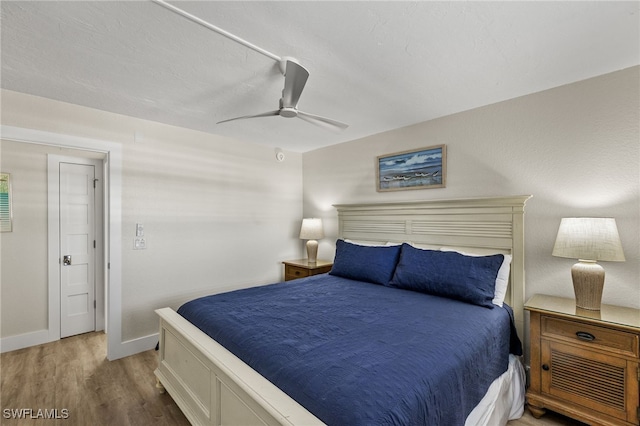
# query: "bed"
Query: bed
{"points": [[214, 384]]}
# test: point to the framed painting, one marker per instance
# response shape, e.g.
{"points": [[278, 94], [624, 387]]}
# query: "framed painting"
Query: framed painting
{"points": [[5, 203], [418, 169]]}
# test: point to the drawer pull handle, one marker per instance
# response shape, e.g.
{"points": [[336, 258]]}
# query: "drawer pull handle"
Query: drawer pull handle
{"points": [[583, 335], [545, 367]]}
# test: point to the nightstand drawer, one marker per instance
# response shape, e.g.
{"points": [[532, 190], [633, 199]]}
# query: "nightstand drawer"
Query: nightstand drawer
{"points": [[595, 337], [293, 272], [294, 269]]}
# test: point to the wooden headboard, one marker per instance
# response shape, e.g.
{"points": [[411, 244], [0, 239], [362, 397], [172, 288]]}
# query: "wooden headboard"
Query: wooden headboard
{"points": [[475, 225]]}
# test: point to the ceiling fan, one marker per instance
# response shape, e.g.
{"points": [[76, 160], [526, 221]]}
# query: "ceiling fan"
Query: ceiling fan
{"points": [[295, 78]]}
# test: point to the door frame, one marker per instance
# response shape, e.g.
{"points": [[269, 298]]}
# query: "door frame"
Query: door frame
{"points": [[53, 219], [112, 214]]}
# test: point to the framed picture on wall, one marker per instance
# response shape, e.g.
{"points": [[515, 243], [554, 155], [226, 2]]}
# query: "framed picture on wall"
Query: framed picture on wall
{"points": [[417, 169], [5, 203]]}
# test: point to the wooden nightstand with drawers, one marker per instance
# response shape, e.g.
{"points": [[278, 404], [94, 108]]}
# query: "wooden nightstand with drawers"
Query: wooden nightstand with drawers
{"points": [[584, 364], [301, 268]]}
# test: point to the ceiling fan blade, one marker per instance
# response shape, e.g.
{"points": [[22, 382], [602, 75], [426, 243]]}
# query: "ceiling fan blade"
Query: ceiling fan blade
{"points": [[264, 114], [322, 121], [295, 77]]}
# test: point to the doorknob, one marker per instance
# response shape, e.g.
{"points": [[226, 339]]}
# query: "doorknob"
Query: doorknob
{"points": [[66, 260]]}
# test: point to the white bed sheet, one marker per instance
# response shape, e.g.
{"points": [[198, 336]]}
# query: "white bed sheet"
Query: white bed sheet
{"points": [[504, 399]]}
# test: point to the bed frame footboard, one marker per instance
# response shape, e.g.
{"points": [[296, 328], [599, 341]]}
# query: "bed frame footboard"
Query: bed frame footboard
{"points": [[212, 386]]}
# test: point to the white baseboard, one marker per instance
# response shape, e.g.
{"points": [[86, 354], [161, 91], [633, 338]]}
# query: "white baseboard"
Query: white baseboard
{"points": [[134, 346], [12, 343], [130, 347]]}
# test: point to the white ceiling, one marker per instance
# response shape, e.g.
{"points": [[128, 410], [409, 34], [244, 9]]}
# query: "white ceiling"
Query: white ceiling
{"points": [[374, 65]]}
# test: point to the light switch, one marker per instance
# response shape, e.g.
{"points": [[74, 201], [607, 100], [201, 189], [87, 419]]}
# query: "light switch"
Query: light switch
{"points": [[139, 243], [139, 230]]}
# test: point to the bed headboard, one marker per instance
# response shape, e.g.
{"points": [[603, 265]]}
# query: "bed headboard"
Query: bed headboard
{"points": [[480, 225]]}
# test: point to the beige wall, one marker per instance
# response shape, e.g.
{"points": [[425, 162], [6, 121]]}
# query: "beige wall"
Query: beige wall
{"points": [[24, 251], [575, 148], [221, 213], [218, 213]]}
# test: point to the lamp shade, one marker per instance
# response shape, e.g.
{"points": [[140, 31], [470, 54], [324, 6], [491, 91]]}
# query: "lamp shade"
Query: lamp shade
{"points": [[311, 229], [589, 238]]}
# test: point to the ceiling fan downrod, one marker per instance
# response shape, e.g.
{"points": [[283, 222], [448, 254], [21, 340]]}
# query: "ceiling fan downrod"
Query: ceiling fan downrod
{"points": [[219, 30]]}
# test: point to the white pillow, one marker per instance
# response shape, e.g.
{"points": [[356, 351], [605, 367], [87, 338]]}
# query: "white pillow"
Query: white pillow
{"points": [[372, 244], [502, 279], [425, 246]]}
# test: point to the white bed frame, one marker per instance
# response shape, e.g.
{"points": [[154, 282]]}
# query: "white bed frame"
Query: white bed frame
{"points": [[214, 387]]}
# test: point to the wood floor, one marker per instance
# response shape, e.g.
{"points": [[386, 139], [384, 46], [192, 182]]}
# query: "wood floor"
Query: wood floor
{"points": [[73, 374], [549, 419]]}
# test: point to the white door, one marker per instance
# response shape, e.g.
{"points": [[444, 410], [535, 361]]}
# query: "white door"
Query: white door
{"points": [[77, 249]]}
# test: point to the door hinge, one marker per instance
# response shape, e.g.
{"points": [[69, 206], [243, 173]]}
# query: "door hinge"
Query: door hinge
{"points": [[94, 304], [94, 243]]}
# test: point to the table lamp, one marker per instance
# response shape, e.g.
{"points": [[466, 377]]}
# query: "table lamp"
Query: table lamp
{"points": [[311, 230], [588, 239]]}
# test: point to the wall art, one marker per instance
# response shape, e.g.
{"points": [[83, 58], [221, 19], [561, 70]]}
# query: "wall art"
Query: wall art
{"points": [[417, 169]]}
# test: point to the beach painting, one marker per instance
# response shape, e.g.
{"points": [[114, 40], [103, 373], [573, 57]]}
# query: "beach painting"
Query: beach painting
{"points": [[5, 202], [417, 169]]}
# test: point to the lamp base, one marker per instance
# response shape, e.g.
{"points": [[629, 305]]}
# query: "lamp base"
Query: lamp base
{"points": [[312, 251], [588, 283]]}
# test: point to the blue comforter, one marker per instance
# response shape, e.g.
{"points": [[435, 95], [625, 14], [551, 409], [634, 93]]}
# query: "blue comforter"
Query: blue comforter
{"points": [[356, 353]]}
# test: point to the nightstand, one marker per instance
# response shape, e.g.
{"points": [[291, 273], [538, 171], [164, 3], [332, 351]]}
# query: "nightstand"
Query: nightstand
{"points": [[584, 364], [302, 268]]}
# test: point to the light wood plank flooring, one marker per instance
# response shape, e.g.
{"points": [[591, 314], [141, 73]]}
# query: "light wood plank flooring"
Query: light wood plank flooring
{"points": [[74, 374], [549, 419]]}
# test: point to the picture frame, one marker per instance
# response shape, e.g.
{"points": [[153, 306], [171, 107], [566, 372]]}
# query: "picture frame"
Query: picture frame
{"points": [[423, 168], [6, 212]]}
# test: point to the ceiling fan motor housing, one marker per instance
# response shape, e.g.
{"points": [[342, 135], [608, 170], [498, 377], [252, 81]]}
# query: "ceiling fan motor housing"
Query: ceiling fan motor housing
{"points": [[289, 112]]}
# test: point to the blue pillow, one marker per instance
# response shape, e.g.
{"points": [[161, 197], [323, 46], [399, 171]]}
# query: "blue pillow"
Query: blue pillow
{"points": [[471, 279], [374, 264]]}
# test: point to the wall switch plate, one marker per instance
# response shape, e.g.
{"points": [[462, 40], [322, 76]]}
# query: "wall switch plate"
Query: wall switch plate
{"points": [[139, 243], [139, 230]]}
